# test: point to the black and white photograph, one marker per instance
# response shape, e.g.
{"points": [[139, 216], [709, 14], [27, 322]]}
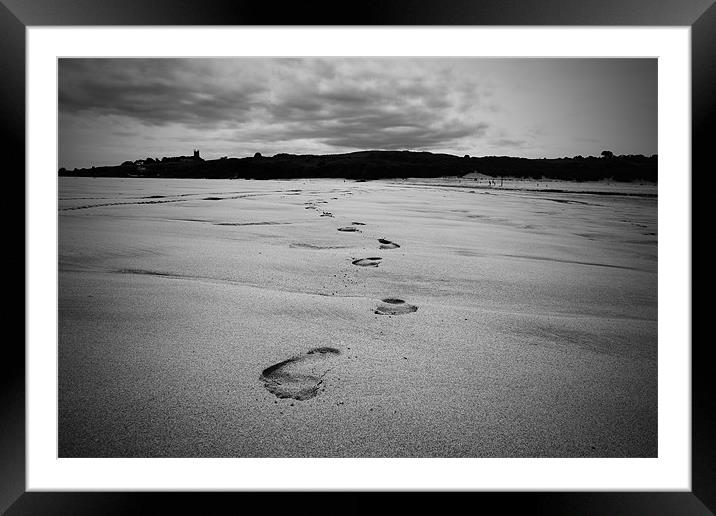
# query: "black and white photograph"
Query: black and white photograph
{"points": [[357, 257]]}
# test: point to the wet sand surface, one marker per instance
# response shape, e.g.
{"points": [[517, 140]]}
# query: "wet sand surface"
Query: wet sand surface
{"points": [[209, 318]]}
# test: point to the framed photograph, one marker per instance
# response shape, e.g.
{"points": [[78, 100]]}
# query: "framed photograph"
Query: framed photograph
{"points": [[437, 248]]}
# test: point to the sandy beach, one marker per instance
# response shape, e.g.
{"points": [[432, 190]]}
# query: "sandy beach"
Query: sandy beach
{"points": [[332, 318]]}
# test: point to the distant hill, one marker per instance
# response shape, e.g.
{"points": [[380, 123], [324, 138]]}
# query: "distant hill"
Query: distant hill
{"points": [[366, 165]]}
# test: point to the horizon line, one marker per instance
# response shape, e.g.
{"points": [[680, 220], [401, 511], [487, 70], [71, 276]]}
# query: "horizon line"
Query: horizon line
{"points": [[375, 151]]}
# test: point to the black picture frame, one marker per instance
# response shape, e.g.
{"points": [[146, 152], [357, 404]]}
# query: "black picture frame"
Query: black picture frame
{"points": [[17, 15]]}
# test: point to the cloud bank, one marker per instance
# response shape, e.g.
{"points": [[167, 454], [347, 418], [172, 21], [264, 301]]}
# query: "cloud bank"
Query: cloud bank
{"points": [[116, 109]]}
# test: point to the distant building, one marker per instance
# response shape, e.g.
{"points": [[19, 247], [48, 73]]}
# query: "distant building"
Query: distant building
{"points": [[195, 157]]}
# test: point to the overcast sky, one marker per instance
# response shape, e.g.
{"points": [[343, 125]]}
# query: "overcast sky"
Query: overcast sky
{"points": [[112, 110]]}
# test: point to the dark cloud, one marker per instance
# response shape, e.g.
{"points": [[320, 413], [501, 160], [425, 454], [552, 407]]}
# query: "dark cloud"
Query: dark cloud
{"points": [[153, 92], [354, 105]]}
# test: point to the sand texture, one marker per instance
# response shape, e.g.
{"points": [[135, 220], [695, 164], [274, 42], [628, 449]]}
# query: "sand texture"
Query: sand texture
{"points": [[332, 318]]}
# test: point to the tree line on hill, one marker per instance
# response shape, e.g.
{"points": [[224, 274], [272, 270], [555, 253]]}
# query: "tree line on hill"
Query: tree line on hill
{"points": [[367, 165]]}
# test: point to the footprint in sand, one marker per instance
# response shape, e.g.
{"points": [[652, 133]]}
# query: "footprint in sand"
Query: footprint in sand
{"points": [[394, 306], [387, 244], [373, 261], [299, 377], [350, 229]]}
